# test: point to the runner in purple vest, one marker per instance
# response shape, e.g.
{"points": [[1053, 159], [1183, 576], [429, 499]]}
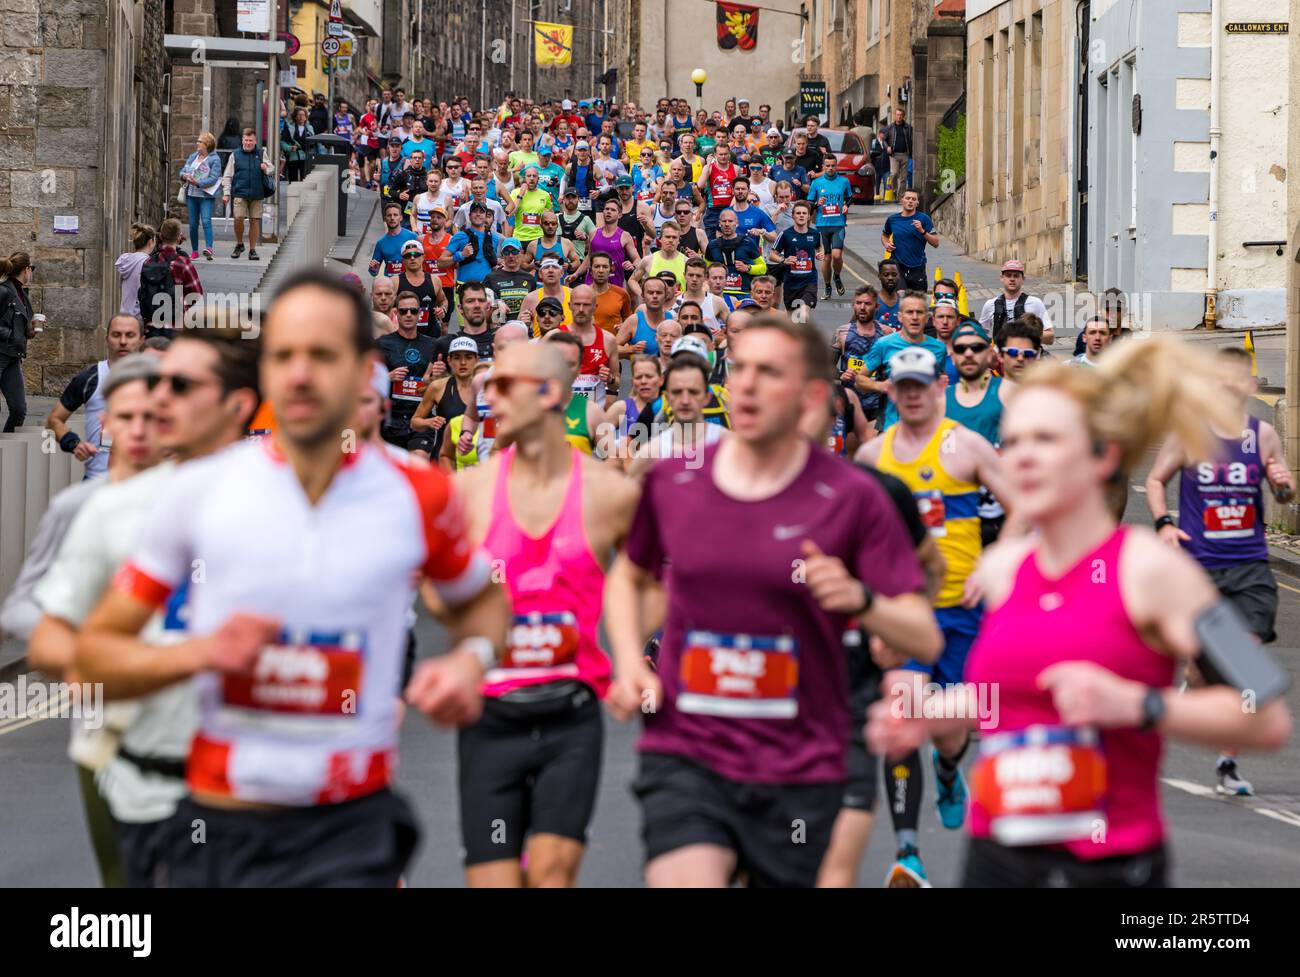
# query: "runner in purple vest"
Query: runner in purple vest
{"points": [[1221, 517]]}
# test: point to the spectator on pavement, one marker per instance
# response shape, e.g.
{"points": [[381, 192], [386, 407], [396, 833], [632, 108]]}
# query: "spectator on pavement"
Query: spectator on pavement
{"points": [[294, 146], [898, 144], [245, 179], [129, 263], [201, 176]]}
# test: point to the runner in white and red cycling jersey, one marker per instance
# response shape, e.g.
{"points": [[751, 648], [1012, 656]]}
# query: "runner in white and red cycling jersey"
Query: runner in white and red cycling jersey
{"points": [[551, 518], [1221, 517], [745, 719], [297, 622], [1087, 623]]}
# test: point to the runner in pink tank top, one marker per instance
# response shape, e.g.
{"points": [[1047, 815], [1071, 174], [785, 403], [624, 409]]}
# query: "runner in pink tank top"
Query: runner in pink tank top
{"points": [[556, 586], [1070, 678], [549, 519]]}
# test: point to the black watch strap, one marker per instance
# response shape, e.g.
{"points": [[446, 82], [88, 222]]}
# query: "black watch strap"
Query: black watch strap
{"points": [[868, 601], [1163, 521], [1153, 708]]}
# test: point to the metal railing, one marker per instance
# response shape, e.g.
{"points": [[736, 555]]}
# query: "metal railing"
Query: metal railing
{"points": [[955, 110]]}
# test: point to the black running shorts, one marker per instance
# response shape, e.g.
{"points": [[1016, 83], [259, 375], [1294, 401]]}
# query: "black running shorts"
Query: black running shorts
{"points": [[1252, 590], [993, 866], [779, 832], [528, 771], [362, 843]]}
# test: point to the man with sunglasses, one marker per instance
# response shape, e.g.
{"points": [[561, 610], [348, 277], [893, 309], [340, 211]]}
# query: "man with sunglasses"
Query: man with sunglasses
{"points": [[296, 634], [408, 355], [975, 400], [1019, 346], [530, 767], [202, 394], [575, 225], [415, 280], [694, 242]]}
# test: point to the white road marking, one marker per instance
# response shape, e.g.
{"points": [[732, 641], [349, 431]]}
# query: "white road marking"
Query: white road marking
{"points": [[21, 722], [1286, 817], [1200, 790]]}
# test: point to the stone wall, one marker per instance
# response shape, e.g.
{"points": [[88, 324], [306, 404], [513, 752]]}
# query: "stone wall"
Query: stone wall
{"points": [[949, 215], [151, 69]]}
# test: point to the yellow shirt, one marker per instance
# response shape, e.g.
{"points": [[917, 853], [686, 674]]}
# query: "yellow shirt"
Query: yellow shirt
{"points": [[633, 150]]}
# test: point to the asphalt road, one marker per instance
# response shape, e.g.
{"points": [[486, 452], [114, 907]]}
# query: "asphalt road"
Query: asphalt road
{"points": [[1216, 842]]}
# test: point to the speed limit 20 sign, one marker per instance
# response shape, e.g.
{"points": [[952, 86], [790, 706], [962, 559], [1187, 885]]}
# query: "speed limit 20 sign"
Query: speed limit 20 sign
{"points": [[330, 46]]}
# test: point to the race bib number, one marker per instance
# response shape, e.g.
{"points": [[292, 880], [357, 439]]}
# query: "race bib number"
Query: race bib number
{"points": [[315, 674], [1233, 521], [739, 675], [1042, 785], [584, 205], [721, 193], [431, 266], [392, 267], [585, 384], [930, 505], [532, 220], [856, 363], [801, 265], [832, 210], [410, 388], [733, 283], [487, 423], [542, 641]]}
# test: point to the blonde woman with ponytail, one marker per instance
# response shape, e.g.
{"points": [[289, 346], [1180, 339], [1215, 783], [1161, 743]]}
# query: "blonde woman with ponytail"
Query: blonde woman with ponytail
{"points": [[16, 328], [1087, 624]]}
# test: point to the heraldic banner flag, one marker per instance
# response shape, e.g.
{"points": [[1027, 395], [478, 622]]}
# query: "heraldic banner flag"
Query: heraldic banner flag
{"points": [[554, 43], [737, 26]]}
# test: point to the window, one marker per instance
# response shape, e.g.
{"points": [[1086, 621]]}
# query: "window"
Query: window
{"points": [[987, 69], [872, 14], [1016, 149], [816, 29]]}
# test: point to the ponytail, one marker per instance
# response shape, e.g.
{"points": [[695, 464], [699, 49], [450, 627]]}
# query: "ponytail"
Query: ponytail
{"points": [[142, 234], [15, 264], [1140, 391]]}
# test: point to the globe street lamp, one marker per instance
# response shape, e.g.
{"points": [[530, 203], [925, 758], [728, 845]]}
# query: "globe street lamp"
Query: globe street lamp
{"points": [[699, 76]]}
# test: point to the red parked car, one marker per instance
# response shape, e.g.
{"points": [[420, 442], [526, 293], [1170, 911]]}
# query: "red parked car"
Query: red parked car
{"points": [[852, 162]]}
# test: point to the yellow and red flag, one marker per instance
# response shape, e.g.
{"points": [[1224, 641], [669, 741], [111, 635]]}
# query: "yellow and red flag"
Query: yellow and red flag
{"points": [[554, 43], [737, 26]]}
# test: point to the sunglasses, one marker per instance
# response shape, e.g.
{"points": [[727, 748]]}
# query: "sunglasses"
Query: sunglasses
{"points": [[970, 348], [940, 296], [408, 311], [503, 384], [545, 312], [1015, 353], [180, 384]]}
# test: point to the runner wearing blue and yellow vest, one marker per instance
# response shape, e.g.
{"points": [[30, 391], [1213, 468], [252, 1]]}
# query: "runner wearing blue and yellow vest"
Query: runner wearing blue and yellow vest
{"points": [[582, 418], [530, 204], [944, 465]]}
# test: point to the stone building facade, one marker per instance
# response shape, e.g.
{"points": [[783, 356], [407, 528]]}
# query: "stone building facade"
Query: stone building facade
{"points": [[80, 133]]}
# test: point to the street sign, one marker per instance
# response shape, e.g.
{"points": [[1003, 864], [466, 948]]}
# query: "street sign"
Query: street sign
{"points": [[253, 16], [812, 99], [291, 43], [289, 77], [347, 46], [334, 29], [330, 46], [336, 10], [344, 65]]}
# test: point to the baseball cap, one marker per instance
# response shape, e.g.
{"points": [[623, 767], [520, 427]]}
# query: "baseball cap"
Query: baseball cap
{"points": [[787, 153], [353, 280], [550, 262], [667, 277], [137, 366], [570, 192], [689, 344], [412, 247], [567, 105], [950, 303], [697, 328], [438, 209], [970, 328], [742, 101], [623, 181], [1014, 265], [511, 242], [549, 303], [394, 141], [479, 205], [774, 131], [916, 364], [462, 344], [545, 150], [582, 144]]}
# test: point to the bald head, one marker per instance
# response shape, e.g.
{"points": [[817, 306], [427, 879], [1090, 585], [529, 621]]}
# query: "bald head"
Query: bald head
{"points": [[124, 336], [582, 303], [507, 335]]}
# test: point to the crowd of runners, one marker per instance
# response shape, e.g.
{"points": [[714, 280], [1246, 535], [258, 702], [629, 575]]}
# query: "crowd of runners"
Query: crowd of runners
{"points": [[581, 416]]}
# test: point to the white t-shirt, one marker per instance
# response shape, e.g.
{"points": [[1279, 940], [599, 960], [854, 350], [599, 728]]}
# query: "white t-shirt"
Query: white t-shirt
{"points": [[424, 204], [461, 220], [1033, 306], [159, 725], [667, 446]]}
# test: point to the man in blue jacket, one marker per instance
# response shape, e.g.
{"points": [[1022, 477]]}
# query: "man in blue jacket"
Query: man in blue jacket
{"points": [[244, 179]]}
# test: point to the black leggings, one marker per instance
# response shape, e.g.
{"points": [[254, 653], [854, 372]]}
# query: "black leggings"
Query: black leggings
{"points": [[14, 390], [293, 170]]}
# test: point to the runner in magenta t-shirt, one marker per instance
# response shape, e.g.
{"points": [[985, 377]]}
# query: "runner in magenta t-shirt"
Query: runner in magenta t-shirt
{"points": [[766, 548]]}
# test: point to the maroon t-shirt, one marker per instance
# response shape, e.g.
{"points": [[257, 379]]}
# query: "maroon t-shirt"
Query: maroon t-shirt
{"points": [[754, 672]]}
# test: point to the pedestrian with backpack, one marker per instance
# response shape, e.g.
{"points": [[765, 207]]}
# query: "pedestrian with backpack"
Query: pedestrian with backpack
{"points": [[165, 280], [16, 328], [129, 264]]}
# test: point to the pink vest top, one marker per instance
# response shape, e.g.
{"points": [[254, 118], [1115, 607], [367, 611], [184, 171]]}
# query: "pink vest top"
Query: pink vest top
{"points": [[1078, 617], [557, 589]]}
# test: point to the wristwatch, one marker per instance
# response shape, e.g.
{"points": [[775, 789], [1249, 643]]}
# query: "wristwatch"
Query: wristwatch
{"points": [[868, 601], [1163, 521], [1153, 708]]}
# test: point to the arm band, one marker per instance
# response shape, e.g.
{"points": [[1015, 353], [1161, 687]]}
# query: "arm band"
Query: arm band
{"points": [[1231, 655], [69, 442]]}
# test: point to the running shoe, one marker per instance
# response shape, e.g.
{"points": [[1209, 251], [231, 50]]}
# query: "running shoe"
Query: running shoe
{"points": [[1231, 783], [839, 286], [207, 253], [828, 290], [907, 872], [239, 249], [252, 255], [951, 798]]}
